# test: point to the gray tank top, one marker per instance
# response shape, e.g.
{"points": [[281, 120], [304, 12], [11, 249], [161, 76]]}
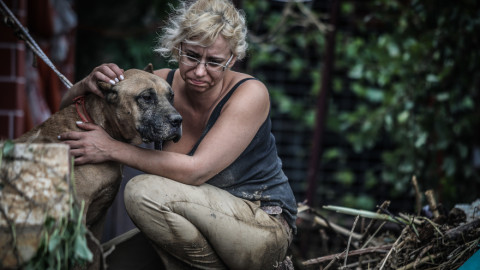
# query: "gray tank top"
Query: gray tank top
{"points": [[256, 175]]}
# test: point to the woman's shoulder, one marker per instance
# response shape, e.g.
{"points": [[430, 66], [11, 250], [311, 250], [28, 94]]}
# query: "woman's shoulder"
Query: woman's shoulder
{"points": [[245, 79], [248, 88]]}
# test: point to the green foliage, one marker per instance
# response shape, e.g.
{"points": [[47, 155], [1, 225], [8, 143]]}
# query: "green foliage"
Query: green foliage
{"points": [[417, 79], [414, 69], [63, 243], [288, 38]]}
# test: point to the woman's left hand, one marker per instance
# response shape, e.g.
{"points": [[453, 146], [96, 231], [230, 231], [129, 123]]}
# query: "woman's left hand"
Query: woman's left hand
{"points": [[90, 146]]}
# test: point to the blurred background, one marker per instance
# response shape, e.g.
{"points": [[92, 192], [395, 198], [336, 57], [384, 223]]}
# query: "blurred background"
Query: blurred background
{"points": [[366, 94]]}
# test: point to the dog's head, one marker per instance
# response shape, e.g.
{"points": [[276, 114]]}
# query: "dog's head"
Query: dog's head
{"points": [[142, 108]]}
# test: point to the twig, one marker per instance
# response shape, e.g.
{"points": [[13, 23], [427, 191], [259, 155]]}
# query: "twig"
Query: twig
{"points": [[311, 17], [420, 255], [99, 246], [432, 203], [336, 228], [385, 205], [349, 241], [399, 220], [351, 265], [394, 247], [365, 213], [418, 195], [373, 235], [331, 263], [459, 231], [420, 262], [325, 223], [379, 249]]}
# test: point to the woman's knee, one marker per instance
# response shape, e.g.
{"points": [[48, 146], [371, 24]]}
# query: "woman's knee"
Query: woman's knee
{"points": [[141, 189]]}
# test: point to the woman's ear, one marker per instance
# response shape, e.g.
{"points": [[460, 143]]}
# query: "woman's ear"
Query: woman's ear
{"points": [[232, 63]]}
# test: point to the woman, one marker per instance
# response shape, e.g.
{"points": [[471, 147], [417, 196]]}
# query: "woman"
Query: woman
{"points": [[217, 198]]}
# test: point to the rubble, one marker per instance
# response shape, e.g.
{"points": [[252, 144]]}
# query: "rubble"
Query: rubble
{"points": [[444, 241]]}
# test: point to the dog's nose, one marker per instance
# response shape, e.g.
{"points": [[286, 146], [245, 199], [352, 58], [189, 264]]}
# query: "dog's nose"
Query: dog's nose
{"points": [[175, 120]]}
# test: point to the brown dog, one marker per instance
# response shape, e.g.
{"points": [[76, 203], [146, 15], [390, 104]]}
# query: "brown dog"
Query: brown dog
{"points": [[137, 109]]}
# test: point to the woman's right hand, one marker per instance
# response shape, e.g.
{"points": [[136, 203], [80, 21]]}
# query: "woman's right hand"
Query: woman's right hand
{"points": [[109, 73]]}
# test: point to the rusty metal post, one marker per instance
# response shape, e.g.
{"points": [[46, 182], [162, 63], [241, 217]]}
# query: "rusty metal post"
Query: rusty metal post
{"points": [[322, 101]]}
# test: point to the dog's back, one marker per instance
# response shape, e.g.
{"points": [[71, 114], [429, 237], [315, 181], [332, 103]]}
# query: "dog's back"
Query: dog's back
{"points": [[139, 108], [96, 184]]}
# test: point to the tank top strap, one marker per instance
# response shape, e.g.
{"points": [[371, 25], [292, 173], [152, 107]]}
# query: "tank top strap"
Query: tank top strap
{"points": [[170, 75], [216, 113]]}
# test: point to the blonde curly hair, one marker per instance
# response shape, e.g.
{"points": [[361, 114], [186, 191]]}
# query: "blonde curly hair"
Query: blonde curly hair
{"points": [[200, 23]]}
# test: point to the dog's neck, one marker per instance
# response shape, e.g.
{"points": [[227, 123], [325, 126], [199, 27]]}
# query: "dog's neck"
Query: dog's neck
{"points": [[102, 115]]}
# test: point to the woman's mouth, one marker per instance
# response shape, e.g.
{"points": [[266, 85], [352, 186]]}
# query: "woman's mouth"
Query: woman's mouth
{"points": [[196, 82]]}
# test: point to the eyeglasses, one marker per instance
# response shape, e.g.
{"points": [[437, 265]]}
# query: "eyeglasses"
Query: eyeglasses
{"points": [[192, 61]]}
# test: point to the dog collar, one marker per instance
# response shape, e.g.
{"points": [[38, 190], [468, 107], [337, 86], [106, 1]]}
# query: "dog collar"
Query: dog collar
{"points": [[81, 110]]}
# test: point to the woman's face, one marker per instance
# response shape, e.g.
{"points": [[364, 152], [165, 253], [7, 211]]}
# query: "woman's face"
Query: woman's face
{"points": [[202, 76]]}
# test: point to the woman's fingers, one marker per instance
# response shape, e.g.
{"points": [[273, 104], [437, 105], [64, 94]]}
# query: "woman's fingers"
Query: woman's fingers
{"points": [[69, 136], [88, 146], [110, 73]]}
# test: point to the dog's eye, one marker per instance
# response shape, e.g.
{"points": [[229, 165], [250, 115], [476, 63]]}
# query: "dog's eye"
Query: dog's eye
{"points": [[148, 98]]}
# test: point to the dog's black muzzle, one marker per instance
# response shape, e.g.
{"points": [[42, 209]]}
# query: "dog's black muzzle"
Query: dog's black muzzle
{"points": [[161, 127]]}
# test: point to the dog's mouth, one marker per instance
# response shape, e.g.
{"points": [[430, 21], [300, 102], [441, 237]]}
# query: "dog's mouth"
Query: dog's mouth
{"points": [[159, 137], [175, 137], [159, 128], [159, 144]]}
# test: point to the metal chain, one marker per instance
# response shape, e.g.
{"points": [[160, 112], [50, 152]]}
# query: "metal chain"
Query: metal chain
{"points": [[23, 34]]}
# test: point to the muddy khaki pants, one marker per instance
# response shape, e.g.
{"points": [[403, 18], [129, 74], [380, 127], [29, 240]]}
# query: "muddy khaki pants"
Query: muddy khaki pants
{"points": [[204, 226]]}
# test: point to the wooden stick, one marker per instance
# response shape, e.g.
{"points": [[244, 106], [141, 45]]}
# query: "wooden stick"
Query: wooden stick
{"points": [[418, 195], [336, 228], [394, 247], [352, 265], [432, 203], [457, 232], [379, 249], [372, 223], [420, 262], [349, 241]]}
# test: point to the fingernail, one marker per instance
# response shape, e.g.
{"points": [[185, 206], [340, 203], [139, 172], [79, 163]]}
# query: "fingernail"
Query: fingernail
{"points": [[112, 82], [79, 122], [116, 80], [121, 77]]}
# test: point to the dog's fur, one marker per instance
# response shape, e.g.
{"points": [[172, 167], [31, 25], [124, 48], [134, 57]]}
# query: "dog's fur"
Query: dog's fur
{"points": [[139, 108]]}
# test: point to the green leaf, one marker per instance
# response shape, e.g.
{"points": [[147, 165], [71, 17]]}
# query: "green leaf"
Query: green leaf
{"points": [[345, 177], [356, 72], [432, 78], [403, 117], [443, 96], [81, 248], [331, 154], [374, 95], [55, 239], [8, 147], [393, 49], [422, 138]]}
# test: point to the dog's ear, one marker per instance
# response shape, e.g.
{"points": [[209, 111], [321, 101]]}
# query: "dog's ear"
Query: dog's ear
{"points": [[110, 94], [149, 68]]}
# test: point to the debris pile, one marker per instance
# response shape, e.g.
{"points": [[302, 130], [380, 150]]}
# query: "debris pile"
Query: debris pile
{"points": [[434, 240]]}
